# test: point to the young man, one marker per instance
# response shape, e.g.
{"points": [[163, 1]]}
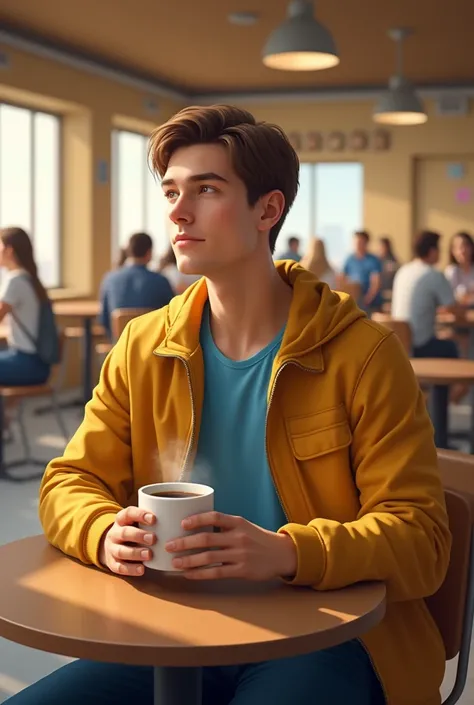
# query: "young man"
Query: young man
{"points": [[419, 292], [366, 269], [306, 416], [134, 285]]}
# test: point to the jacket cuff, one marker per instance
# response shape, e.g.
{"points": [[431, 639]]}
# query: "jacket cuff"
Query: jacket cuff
{"points": [[94, 535], [311, 554]]}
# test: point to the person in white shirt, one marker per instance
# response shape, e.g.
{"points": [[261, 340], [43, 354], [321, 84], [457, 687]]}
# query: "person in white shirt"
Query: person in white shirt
{"points": [[419, 292], [21, 294], [315, 261], [460, 271]]}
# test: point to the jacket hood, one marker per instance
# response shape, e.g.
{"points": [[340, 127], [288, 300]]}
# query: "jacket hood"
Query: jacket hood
{"points": [[317, 315]]}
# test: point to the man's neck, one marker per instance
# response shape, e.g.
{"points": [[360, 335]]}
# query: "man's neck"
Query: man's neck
{"points": [[249, 306], [138, 261]]}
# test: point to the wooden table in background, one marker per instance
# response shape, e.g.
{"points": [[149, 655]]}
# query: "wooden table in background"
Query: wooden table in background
{"points": [[446, 372], [87, 311], [53, 603]]}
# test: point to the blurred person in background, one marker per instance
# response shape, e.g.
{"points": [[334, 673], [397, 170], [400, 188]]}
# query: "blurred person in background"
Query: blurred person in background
{"points": [[315, 261], [366, 269], [133, 285], [168, 267], [389, 262], [460, 271], [21, 297], [419, 292], [292, 251]]}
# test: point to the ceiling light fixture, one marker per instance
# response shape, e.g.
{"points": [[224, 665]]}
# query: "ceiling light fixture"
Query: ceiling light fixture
{"points": [[301, 43], [400, 105]]}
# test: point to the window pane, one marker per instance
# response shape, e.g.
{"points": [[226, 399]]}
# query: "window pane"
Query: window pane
{"points": [[130, 185], [339, 198], [15, 167], [298, 220], [46, 198]]}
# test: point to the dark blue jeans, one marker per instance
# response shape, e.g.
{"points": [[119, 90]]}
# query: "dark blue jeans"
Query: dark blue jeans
{"points": [[19, 369], [439, 395], [342, 675]]}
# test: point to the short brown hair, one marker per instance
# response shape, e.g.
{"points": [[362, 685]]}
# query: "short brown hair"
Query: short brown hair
{"points": [[363, 234], [139, 245], [260, 152], [426, 241]]}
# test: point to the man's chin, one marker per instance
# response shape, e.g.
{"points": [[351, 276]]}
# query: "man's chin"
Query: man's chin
{"points": [[187, 266]]}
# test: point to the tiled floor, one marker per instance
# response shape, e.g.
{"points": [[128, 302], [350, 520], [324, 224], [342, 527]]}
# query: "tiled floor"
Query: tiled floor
{"points": [[20, 666]]}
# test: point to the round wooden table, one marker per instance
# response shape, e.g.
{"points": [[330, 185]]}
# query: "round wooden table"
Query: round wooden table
{"points": [[53, 603], [86, 311], [445, 372]]}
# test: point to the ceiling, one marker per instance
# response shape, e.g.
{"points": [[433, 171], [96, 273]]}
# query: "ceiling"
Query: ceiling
{"points": [[191, 46]]}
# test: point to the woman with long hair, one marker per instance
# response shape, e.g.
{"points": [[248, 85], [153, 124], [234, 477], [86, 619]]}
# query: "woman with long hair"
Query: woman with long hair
{"points": [[390, 263], [21, 297], [460, 271], [315, 261]]}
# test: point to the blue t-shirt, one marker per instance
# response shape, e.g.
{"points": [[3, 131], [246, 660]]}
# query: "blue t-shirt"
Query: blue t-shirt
{"points": [[360, 270], [231, 454], [132, 286]]}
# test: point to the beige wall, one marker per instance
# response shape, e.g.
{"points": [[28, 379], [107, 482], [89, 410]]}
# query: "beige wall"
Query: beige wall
{"points": [[389, 204]]}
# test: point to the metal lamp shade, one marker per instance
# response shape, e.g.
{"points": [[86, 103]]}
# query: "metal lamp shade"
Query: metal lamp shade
{"points": [[300, 43], [400, 105]]}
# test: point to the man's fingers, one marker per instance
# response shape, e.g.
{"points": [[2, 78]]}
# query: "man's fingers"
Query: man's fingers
{"points": [[131, 569], [134, 515], [223, 521], [206, 558], [218, 572], [203, 539], [131, 534], [121, 552]]}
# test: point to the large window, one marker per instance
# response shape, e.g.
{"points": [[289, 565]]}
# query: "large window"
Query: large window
{"points": [[30, 182], [138, 202], [329, 205]]}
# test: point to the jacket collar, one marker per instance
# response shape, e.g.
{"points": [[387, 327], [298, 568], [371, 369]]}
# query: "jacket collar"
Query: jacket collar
{"points": [[316, 315]]}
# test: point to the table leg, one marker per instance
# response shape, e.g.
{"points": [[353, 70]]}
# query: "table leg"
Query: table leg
{"points": [[439, 402], [87, 361], [178, 686]]}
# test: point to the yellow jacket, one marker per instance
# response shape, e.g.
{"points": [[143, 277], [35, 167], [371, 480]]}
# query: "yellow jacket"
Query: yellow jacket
{"points": [[350, 448]]}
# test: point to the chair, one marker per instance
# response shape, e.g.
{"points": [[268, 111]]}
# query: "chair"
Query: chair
{"points": [[20, 394], [352, 288], [401, 328], [452, 606], [119, 319], [122, 316]]}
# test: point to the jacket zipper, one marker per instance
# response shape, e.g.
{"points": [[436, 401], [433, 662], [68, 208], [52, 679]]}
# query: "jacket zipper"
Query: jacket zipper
{"points": [[193, 413]]}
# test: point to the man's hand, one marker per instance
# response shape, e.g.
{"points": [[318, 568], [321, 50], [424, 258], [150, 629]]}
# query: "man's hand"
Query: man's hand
{"points": [[124, 546], [241, 549]]}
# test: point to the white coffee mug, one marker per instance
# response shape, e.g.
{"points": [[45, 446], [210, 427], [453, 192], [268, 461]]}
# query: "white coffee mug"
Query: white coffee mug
{"points": [[170, 512]]}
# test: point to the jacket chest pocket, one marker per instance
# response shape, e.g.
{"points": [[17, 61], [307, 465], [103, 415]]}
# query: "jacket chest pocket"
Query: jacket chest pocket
{"points": [[316, 435], [320, 444]]}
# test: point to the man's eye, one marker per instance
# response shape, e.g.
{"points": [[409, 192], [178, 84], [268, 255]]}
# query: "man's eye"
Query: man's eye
{"points": [[170, 194], [207, 189]]}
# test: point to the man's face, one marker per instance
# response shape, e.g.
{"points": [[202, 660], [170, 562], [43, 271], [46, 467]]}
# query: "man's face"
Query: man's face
{"points": [[434, 256], [212, 224], [360, 246]]}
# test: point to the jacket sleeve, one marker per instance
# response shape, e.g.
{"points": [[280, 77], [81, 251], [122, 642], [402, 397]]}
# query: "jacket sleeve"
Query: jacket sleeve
{"points": [[401, 534], [82, 492]]}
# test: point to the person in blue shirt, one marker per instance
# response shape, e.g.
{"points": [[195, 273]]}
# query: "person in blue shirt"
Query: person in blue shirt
{"points": [[366, 269], [134, 285], [292, 251]]}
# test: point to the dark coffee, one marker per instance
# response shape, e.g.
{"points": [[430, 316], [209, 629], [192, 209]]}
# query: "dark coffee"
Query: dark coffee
{"points": [[174, 494]]}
